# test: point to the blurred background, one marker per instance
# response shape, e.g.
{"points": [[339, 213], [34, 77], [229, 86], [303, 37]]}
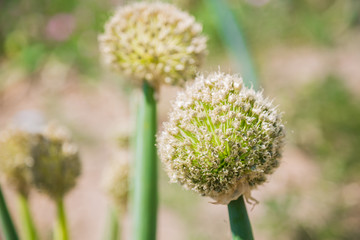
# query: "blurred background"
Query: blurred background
{"points": [[305, 55]]}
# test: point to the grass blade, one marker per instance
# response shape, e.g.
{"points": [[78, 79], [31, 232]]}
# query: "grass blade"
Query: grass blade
{"points": [[7, 226], [233, 37]]}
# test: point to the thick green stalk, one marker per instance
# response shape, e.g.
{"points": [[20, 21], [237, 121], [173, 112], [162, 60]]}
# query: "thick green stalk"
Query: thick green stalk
{"points": [[234, 39], [113, 230], [239, 220], [61, 230], [145, 172], [7, 226], [28, 227]]}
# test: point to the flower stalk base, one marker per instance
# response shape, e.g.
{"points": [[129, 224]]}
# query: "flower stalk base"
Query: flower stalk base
{"points": [[239, 220], [61, 230], [28, 227]]}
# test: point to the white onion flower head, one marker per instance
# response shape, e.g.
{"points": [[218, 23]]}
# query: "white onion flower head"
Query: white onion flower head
{"points": [[155, 42], [222, 140], [56, 164]]}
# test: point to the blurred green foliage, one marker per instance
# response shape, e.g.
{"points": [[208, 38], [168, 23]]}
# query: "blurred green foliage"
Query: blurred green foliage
{"points": [[326, 117], [339, 222], [33, 30], [269, 23], [297, 21]]}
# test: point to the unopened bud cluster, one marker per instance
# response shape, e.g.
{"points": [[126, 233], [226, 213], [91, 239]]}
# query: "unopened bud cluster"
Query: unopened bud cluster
{"points": [[155, 42], [222, 139], [56, 162], [15, 158], [47, 159], [116, 184]]}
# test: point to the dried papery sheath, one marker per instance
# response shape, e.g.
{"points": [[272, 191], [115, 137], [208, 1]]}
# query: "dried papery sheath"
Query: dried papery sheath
{"points": [[116, 183], [56, 162], [222, 139], [155, 42], [15, 158]]}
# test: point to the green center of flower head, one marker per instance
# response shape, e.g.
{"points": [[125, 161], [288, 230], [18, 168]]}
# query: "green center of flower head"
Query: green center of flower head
{"points": [[155, 42], [221, 137]]}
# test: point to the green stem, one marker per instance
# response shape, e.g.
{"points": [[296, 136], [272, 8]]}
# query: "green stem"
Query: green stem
{"points": [[28, 227], [7, 227], [113, 229], [239, 220], [61, 230], [145, 172]]}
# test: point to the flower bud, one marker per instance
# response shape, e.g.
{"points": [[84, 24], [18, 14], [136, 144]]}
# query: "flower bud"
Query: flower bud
{"points": [[15, 158], [116, 183], [56, 162]]}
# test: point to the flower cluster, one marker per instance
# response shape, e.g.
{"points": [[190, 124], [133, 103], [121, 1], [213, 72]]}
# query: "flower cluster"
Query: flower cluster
{"points": [[56, 163], [15, 158], [222, 139], [155, 42], [116, 183]]}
